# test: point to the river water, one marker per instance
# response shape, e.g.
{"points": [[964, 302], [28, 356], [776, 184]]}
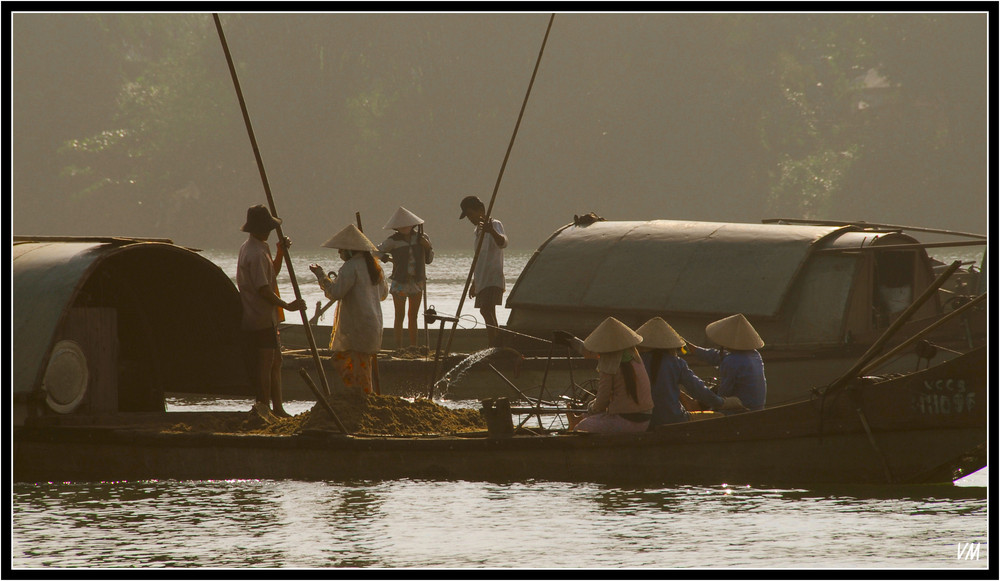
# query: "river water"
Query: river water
{"points": [[419, 524], [281, 524], [446, 277]]}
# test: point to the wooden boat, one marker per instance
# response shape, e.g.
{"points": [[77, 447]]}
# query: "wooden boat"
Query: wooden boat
{"points": [[923, 427], [106, 325], [92, 364], [818, 294]]}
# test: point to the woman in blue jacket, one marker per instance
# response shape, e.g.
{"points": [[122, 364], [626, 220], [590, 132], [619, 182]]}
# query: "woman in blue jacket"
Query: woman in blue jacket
{"points": [[741, 369], [668, 373]]}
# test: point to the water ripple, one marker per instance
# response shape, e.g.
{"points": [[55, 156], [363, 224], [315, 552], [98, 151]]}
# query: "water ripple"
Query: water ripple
{"points": [[419, 524]]}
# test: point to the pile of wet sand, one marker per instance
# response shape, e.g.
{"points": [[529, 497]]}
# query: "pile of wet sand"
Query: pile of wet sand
{"points": [[362, 414]]}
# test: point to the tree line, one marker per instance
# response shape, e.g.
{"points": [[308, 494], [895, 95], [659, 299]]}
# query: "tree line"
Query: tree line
{"points": [[824, 116]]}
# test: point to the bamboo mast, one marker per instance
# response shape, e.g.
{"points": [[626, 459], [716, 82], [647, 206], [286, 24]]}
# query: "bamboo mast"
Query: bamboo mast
{"points": [[489, 209], [270, 202]]}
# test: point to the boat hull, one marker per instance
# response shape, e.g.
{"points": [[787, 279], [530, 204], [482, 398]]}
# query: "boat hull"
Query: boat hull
{"points": [[790, 375], [649, 459], [925, 427]]}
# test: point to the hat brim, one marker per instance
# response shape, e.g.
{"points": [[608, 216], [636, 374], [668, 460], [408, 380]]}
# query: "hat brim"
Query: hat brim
{"points": [[470, 202], [250, 226], [611, 335], [350, 238], [735, 333], [403, 218], [658, 334]]}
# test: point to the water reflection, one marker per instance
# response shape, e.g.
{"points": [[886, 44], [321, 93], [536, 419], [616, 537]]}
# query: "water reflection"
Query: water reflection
{"points": [[417, 523]]}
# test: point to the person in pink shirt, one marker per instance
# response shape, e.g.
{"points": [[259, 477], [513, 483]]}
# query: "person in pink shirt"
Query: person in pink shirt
{"points": [[256, 279], [623, 402]]}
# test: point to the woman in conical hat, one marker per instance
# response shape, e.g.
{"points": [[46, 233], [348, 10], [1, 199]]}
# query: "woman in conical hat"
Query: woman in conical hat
{"points": [[623, 402], [668, 373], [409, 250], [741, 368], [360, 287]]}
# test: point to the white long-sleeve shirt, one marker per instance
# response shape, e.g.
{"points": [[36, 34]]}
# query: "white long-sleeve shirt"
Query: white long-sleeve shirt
{"points": [[359, 322]]}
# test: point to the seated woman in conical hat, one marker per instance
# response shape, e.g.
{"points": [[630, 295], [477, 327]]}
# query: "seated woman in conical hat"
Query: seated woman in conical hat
{"points": [[623, 402], [409, 250], [668, 373], [741, 369], [360, 287]]}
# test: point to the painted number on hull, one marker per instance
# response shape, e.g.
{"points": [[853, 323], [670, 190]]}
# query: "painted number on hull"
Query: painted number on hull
{"points": [[945, 396]]}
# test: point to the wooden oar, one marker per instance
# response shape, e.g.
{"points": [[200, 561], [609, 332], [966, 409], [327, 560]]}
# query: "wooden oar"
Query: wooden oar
{"points": [[874, 364], [873, 351], [270, 201], [319, 312], [321, 399]]}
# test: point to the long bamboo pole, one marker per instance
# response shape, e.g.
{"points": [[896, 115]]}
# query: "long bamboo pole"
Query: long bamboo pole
{"points": [[901, 247], [872, 225], [274, 212], [496, 187], [873, 351], [961, 310]]}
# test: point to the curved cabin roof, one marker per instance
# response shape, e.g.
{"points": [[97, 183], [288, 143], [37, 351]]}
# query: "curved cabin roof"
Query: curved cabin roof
{"points": [[667, 266], [798, 284], [177, 313]]}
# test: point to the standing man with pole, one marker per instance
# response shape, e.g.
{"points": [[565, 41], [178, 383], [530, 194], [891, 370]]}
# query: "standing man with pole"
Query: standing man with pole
{"points": [[272, 212], [256, 279], [488, 282]]}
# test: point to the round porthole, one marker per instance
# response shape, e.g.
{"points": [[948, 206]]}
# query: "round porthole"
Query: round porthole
{"points": [[66, 377]]}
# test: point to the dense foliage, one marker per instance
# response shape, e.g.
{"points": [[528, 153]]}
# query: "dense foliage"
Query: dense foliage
{"points": [[702, 116]]}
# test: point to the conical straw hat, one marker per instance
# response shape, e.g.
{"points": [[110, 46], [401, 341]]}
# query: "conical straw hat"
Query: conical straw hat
{"points": [[402, 218], [350, 238], [657, 334], [734, 332], [611, 335]]}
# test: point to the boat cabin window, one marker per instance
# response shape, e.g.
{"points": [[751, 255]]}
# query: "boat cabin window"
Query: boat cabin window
{"points": [[894, 274]]}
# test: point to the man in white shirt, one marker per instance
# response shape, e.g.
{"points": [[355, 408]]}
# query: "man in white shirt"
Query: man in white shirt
{"points": [[488, 284]]}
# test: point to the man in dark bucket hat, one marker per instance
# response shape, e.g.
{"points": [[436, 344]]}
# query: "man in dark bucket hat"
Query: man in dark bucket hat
{"points": [[488, 282], [259, 219], [256, 279]]}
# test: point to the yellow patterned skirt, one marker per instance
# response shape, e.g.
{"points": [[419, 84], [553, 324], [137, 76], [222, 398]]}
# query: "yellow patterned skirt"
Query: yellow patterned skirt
{"points": [[354, 367]]}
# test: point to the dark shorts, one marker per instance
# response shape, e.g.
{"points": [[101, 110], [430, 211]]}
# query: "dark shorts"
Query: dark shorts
{"points": [[261, 338], [490, 296]]}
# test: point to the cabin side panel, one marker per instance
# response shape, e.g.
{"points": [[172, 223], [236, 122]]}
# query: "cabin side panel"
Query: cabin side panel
{"points": [[820, 300]]}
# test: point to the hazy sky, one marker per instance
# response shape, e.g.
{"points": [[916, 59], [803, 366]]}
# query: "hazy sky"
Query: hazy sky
{"points": [[597, 133]]}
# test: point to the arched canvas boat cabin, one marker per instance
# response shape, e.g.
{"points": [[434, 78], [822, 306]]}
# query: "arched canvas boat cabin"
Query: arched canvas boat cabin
{"points": [[109, 325], [807, 289]]}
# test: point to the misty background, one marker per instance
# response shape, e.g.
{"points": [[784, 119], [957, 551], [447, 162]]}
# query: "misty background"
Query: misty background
{"points": [[129, 124]]}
